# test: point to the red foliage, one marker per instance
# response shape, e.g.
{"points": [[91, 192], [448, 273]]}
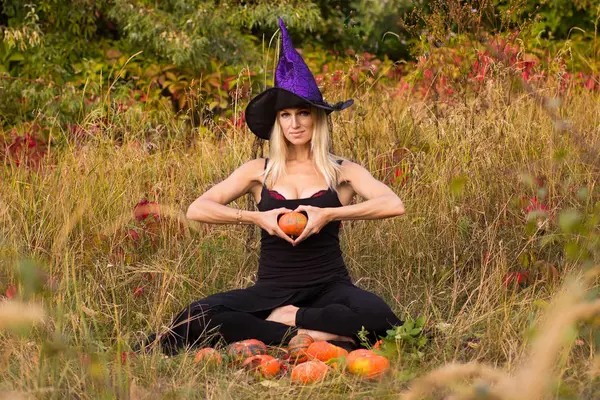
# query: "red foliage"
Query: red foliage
{"points": [[536, 205], [144, 209], [26, 149], [11, 292], [518, 278], [126, 355]]}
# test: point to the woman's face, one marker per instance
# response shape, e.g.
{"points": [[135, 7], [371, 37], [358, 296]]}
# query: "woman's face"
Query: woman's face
{"points": [[296, 124]]}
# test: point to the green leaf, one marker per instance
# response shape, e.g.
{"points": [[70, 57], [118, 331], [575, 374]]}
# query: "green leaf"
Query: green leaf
{"points": [[569, 220], [416, 331], [16, 57], [421, 321]]}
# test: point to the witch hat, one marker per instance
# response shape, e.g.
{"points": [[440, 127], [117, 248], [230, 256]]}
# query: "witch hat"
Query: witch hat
{"points": [[294, 86]]}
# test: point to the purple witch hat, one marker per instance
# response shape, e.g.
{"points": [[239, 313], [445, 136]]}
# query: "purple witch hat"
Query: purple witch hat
{"points": [[294, 86]]}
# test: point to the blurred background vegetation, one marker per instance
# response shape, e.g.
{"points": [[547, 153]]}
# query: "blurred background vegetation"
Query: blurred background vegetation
{"points": [[58, 56], [482, 115]]}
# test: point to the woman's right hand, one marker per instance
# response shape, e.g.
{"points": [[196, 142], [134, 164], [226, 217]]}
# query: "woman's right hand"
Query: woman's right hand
{"points": [[267, 220]]}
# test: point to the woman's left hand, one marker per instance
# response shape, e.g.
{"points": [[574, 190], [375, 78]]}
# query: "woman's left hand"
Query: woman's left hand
{"points": [[317, 219]]}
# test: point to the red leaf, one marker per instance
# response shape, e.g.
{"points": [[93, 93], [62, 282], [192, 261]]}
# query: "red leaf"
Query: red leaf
{"points": [[144, 208], [520, 278], [11, 292], [126, 355], [133, 235]]}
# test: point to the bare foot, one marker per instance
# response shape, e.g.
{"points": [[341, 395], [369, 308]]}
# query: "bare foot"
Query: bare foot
{"points": [[318, 335], [284, 315]]}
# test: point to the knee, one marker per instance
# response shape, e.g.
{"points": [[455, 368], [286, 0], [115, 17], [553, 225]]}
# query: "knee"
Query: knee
{"points": [[380, 321]]}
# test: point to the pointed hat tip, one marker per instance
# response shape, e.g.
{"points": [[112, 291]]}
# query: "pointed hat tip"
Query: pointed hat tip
{"points": [[282, 25]]}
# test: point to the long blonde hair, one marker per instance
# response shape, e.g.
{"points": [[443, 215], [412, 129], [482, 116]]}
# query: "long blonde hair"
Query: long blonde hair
{"points": [[325, 162]]}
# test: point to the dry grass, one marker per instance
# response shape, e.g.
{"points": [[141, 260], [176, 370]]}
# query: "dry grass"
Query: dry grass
{"points": [[446, 258]]}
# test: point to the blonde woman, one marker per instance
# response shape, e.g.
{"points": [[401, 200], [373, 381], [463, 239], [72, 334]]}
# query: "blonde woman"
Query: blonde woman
{"points": [[303, 285]]}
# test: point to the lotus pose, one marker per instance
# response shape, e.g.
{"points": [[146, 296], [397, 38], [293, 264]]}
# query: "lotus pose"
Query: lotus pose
{"points": [[303, 285]]}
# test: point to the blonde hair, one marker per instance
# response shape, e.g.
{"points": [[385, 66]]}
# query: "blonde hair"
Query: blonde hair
{"points": [[325, 162]]}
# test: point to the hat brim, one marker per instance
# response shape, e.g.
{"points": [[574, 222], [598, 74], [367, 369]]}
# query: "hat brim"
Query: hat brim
{"points": [[261, 112]]}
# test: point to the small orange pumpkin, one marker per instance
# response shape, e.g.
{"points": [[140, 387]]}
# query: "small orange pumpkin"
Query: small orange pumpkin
{"points": [[297, 347], [309, 372], [324, 351], [367, 364], [267, 366], [208, 355], [293, 223], [239, 351]]}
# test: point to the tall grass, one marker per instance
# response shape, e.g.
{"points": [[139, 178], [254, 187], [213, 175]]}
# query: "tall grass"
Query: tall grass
{"points": [[468, 165]]}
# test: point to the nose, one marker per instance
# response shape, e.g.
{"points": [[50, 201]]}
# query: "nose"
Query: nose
{"points": [[295, 121]]}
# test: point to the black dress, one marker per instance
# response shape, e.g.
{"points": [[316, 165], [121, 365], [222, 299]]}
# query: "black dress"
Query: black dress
{"points": [[311, 275]]}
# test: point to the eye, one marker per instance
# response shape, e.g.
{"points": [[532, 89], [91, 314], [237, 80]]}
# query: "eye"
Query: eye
{"points": [[305, 113], [284, 115]]}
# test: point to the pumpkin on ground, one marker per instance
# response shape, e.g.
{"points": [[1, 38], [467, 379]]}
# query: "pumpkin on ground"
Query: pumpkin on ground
{"points": [[267, 366], [292, 223], [324, 351], [297, 348], [309, 372], [239, 351], [208, 355], [367, 364]]}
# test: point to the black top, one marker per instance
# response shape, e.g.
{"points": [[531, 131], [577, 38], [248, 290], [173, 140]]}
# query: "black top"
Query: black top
{"points": [[289, 274], [318, 259]]}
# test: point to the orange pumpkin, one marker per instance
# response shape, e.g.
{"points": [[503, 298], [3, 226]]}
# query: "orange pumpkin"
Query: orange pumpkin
{"points": [[297, 347], [309, 372], [208, 355], [266, 365], [239, 351], [367, 364], [324, 351], [292, 223]]}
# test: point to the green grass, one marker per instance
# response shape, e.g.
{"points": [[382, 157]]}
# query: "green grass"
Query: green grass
{"points": [[470, 165]]}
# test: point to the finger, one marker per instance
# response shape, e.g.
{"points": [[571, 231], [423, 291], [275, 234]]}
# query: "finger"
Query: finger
{"points": [[305, 233], [283, 235], [302, 208]]}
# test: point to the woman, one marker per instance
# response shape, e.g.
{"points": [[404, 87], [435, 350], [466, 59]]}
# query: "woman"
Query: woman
{"points": [[303, 285]]}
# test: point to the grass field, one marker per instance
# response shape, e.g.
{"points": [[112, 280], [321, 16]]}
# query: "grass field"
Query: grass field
{"points": [[470, 175]]}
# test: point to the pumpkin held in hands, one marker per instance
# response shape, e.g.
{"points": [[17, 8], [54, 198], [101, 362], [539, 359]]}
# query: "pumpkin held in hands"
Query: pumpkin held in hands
{"points": [[292, 223], [367, 364]]}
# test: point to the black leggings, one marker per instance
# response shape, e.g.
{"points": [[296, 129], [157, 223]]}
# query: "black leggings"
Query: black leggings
{"points": [[341, 309]]}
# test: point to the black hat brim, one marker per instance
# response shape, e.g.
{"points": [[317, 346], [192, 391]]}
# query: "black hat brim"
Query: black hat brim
{"points": [[261, 112]]}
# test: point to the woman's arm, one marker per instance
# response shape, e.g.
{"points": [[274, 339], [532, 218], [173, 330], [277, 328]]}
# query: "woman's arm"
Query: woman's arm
{"points": [[211, 206], [380, 201]]}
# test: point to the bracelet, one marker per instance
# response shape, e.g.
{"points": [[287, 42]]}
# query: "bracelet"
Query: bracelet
{"points": [[239, 216]]}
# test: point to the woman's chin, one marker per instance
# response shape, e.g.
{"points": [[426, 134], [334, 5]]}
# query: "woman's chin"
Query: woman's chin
{"points": [[298, 141]]}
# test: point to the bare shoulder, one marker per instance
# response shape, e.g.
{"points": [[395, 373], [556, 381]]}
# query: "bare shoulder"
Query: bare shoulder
{"points": [[352, 170], [252, 169]]}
